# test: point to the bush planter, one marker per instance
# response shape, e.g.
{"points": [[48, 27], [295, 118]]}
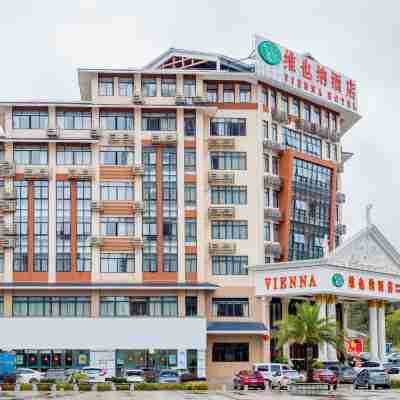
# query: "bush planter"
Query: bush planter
{"points": [[84, 387], [122, 386], [189, 386], [104, 387], [8, 387], [64, 386], [309, 389]]}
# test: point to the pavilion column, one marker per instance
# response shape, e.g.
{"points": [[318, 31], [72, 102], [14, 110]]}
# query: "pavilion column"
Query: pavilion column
{"points": [[322, 347], [373, 330], [266, 319], [345, 317], [331, 315], [381, 330], [285, 315]]}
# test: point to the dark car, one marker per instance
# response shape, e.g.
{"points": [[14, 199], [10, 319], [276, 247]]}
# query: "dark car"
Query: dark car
{"points": [[324, 376], [373, 376], [185, 375], [150, 374], [253, 380]]}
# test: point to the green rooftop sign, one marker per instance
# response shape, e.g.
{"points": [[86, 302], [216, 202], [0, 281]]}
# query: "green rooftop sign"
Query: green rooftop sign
{"points": [[269, 52]]}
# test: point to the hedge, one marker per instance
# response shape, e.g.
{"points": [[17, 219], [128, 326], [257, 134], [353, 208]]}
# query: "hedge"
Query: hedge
{"points": [[104, 387], [172, 386], [395, 384], [65, 386], [44, 387], [8, 387], [25, 387], [85, 387], [122, 386]]}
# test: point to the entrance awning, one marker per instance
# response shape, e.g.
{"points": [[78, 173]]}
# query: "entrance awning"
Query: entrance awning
{"points": [[236, 328]]}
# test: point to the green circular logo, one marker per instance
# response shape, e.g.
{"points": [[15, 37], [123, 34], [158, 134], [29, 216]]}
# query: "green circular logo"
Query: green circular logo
{"points": [[338, 280], [269, 52]]}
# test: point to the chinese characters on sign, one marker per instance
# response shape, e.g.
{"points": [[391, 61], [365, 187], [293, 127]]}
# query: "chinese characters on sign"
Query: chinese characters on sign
{"points": [[372, 285], [303, 73]]}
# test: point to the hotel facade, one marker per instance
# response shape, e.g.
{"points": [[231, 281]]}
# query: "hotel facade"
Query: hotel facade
{"points": [[149, 224]]}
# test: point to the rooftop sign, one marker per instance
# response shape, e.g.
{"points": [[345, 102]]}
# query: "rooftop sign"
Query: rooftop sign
{"points": [[300, 72]]}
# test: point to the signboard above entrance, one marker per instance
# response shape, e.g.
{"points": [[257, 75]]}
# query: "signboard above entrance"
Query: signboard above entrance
{"points": [[302, 73]]}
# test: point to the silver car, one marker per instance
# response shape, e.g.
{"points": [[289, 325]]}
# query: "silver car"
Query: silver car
{"points": [[372, 376], [169, 376]]}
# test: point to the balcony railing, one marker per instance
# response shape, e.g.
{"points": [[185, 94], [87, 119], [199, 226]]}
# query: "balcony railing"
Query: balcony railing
{"points": [[273, 180], [138, 100], [221, 212], [221, 178], [8, 206], [163, 138], [271, 213], [280, 116], [221, 143], [341, 229], [7, 242], [96, 134], [271, 144], [7, 169], [340, 198], [36, 173], [80, 173], [223, 248], [273, 248], [138, 169], [123, 139]]}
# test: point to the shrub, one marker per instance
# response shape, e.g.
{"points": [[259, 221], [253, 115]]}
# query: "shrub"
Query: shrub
{"points": [[122, 386], [318, 365], [395, 384], [47, 381], [192, 386], [25, 387], [44, 387], [118, 380], [79, 377], [104, 387], [65, 386], [85, 387], [8, 387]]}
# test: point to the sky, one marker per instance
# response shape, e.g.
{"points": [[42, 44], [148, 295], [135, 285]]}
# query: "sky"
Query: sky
{"points": [[43, 42]]}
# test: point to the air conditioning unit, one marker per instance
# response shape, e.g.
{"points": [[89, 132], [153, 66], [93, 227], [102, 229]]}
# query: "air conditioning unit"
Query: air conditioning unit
{"points": [[180, 101], [121, 138], [8, 230], [7, 243], [223, 248], [221, 212], [138, 169], [200, 100], [137, 99], [7, 169], [53, 133], [80, 173], [96, 134], [273, 248], [8, 194], [36, 173], [96, 241], [8, 206], [136, 241], [138, 206]]}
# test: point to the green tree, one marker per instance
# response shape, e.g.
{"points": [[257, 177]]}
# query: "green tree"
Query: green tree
{"points": [[393, 328], [308, 329]]}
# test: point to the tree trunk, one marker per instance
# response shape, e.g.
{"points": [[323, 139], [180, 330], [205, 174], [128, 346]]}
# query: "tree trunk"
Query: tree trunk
{"points": [[309, 361]]}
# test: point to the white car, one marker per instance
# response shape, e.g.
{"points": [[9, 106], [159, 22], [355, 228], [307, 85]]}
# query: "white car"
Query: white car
{"points": [[282, 380], [27, 375], [134, 375], [97, 375], [269, 369]]}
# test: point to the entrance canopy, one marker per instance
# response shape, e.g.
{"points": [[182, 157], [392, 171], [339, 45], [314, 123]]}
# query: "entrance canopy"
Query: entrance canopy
{"points": [[365, 267]]}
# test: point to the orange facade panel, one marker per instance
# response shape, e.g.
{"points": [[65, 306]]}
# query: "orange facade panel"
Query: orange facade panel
{"points": [[190, 178], [118, 207], [160, 276], [120, 244], [190, 214], [117, 173], [191, 276], [237, 106], [190, 249], [73, 276], [190, 144], [30, 276]]}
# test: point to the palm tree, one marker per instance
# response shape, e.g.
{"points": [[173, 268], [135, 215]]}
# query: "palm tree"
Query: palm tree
{"points": [[308, 329]]}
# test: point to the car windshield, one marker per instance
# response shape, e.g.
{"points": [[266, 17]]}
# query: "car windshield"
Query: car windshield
{"points": [[275, 368], [376, 371], [168, 374], [263, 368], [134, 373]]}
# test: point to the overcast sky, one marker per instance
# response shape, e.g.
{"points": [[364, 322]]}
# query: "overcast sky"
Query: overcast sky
{"points": [[43, 42]]}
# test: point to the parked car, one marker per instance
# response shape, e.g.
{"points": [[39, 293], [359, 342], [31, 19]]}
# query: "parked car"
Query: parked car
{"points": [[394, 357], [134, 375], [185, 375], [268, 369], [372, 364], [169, 376], [324, 376], [282, 380], [97, 375], [374, 376], [347, 375], [150, 374], [251, 379], [364, 356], [27, 375], [57, 374], [393, 372]]}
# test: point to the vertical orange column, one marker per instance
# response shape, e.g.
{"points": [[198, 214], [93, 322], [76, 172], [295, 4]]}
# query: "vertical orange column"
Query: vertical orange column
{"points": [[160, 217], [31, 228], [74, 231]]}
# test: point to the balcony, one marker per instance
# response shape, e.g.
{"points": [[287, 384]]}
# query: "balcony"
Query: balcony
{"points": [[221, 178], [271, 213], [8, 194], [123, 139], [8, 230], [138, 100], [138, 206], [280, 116], [304, 125], [7, 242], [340, 198], [7, 206], [222, 249], [271, 144], [341, 229], [97, 206], [138, 170], [96, 241], [200, 100], [36, 173], [273, 249], [80, 173], [221, 143], [273, 180], [135, 241], [96, 134], [7, 169], [221, 212], [163, 138]]}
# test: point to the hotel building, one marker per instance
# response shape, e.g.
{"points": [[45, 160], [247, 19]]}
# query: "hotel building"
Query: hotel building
{"points": [[129, 219]]}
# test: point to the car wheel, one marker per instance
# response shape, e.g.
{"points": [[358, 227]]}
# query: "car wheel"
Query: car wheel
{"points": [[234, 387], [262, 387]]}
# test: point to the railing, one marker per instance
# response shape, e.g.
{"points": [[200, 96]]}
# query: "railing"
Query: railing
{"points": [[221, 178], [273, 180], [223, 248], [221, 212], [273, 248], [272, 213]]}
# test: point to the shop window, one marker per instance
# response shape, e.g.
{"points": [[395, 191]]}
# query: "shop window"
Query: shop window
{"points": [[230, 352]]}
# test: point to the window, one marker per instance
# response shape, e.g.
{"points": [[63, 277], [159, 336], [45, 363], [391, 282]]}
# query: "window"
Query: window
{"points": [[307, 112], [333, 122], [230, 307], [292, 139], [228, 127], [190, 160], [73, 154], [1, 263], [30, 154], [244, 93], [63, 226], [275, 199], [114, 155], [229, 93], [1, 306], [316, 117], [191, 306], [230, 352], [275, 165], [229, 230], [265, 129], [273, 100], [190, 231], [312, 146], [159, 121], [117, 121], [328, 151], [264, 96], [191, 263], [163, 306], [30, 119], [118, 226], [229, 195], [267, 231], [106, 87], [190, 195], [296, 107], [74, 119], [325, 119], [228, 160], [114, 306], [40, 306], [168, 87], [112, 191], [229, 265], [274, 132], [149, 87], [117, 262], [267, 194], [285, 104], [190, 124], [212, 92], [20, 258], [266, 163], [125, 87], [41, 219], [83, 225], [189, 88], [170, 262]]}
